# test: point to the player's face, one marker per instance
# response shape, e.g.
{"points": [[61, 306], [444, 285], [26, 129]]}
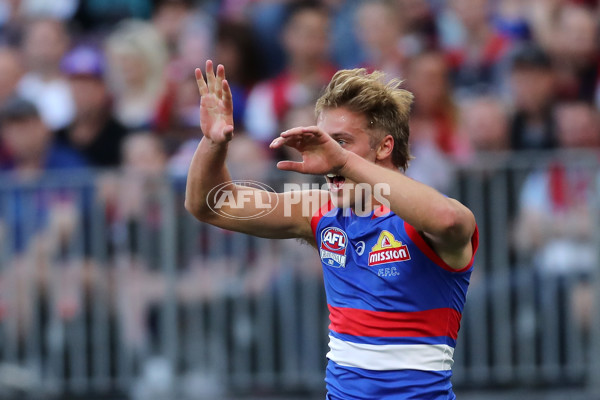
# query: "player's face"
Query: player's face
{"points": [[349, 129]]}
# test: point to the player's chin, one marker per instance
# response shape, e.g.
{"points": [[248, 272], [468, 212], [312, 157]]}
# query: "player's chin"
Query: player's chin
{"points": [[341, 199]]}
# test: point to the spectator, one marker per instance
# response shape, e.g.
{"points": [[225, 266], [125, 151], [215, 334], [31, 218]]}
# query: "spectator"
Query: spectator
{"points": [[268, 20], [196, 42], [236, 47], [305, 39], [30, 144], [380, 32], [434, 138], [474, 62], [484, 123], [94, 132], [533, 90], [42, 221], [143, 162], [555, 224], [345, 50], [250, 160], [542, 19], [420, 29], [137, 57], [136, 219], [32, 152], [575, 55], [434, 111], [45, 43], [511, 19], [169, 18], [127, 193], [11, 71], [176, 118]]}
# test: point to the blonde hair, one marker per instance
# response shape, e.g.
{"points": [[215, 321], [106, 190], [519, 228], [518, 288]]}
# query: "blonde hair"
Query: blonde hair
{"points": [[385, 106], [139, 38]]}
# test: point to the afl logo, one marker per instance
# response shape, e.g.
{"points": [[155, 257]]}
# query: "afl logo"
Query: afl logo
{"points": [[334, 239], [333, 247]]}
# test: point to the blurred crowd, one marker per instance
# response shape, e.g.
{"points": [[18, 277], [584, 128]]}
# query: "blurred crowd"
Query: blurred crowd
{"points": [[487, 75], [105, 84]]}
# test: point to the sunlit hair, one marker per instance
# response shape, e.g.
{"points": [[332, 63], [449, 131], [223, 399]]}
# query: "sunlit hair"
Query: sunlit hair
{"points": [[385, 106], [143, 40]]}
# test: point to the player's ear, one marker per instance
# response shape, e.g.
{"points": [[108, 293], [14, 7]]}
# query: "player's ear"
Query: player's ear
{"points": [[385, 148]]}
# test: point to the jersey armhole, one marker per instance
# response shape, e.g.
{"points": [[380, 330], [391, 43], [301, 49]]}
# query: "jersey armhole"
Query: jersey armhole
{"points": [[314, 221], [418, 240]]}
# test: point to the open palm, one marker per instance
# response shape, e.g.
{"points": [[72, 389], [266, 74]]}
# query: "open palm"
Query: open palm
{"points": [[216, 105]]}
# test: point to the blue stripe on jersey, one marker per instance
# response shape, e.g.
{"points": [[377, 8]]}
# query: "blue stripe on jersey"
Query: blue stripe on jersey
{"points": [[348, 383], [394, 340]]}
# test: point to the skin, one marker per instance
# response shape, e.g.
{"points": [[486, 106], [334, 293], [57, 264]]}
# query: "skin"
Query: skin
{"points": [[339, 145]]}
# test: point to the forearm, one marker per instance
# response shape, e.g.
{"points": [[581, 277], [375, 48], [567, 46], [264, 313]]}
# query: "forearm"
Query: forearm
{"points": [[206, 171], [247, 213], [421, 206]]}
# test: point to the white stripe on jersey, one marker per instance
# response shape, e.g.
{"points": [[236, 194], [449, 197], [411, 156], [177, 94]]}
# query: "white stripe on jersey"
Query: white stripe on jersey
{"points": [[389, 357]]}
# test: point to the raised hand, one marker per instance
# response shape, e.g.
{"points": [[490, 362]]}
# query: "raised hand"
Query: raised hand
{"points": [[321, 154], [216, 105]]}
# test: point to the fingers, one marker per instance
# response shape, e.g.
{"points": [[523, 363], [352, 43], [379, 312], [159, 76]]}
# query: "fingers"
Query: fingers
{"points": [[227, 97], [314, 130], [211, 79], [291, 166], [292, 137], [214, 83], [277, 142], [200, 82], [280, 142], [305, 131], [219, 82]]}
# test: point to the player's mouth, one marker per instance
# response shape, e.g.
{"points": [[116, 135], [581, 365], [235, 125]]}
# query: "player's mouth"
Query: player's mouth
{"points": [[335, 182]]}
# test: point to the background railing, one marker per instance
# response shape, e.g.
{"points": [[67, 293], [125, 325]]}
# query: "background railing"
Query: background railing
{"points": [[108, 285]]}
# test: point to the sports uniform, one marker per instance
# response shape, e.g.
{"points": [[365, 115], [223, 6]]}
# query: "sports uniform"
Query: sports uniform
{"points": [[395, 307]]}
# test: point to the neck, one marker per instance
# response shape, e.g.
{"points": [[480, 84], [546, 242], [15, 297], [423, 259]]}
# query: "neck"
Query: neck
{"points": [[376, 204]]}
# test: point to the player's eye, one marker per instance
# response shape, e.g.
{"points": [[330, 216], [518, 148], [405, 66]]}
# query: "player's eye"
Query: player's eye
{"points": [[342, 142]]}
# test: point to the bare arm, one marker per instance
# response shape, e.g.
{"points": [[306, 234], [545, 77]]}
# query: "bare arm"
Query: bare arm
{"points": [[286, 217], [444, 222]]}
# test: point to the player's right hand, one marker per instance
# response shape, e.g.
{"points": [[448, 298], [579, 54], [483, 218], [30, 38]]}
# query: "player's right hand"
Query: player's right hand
{"points": [[216, 104]]}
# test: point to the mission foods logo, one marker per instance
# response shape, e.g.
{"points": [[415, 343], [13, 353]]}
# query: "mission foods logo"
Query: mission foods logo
{"points": [[388, 250], [333, 247]]}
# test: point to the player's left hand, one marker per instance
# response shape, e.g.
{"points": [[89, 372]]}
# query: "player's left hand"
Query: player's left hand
{"points": [[321, 154]]}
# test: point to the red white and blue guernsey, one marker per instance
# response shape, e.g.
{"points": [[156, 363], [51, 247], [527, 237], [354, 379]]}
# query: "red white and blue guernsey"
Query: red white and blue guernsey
{"points": [[395, 308]]}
